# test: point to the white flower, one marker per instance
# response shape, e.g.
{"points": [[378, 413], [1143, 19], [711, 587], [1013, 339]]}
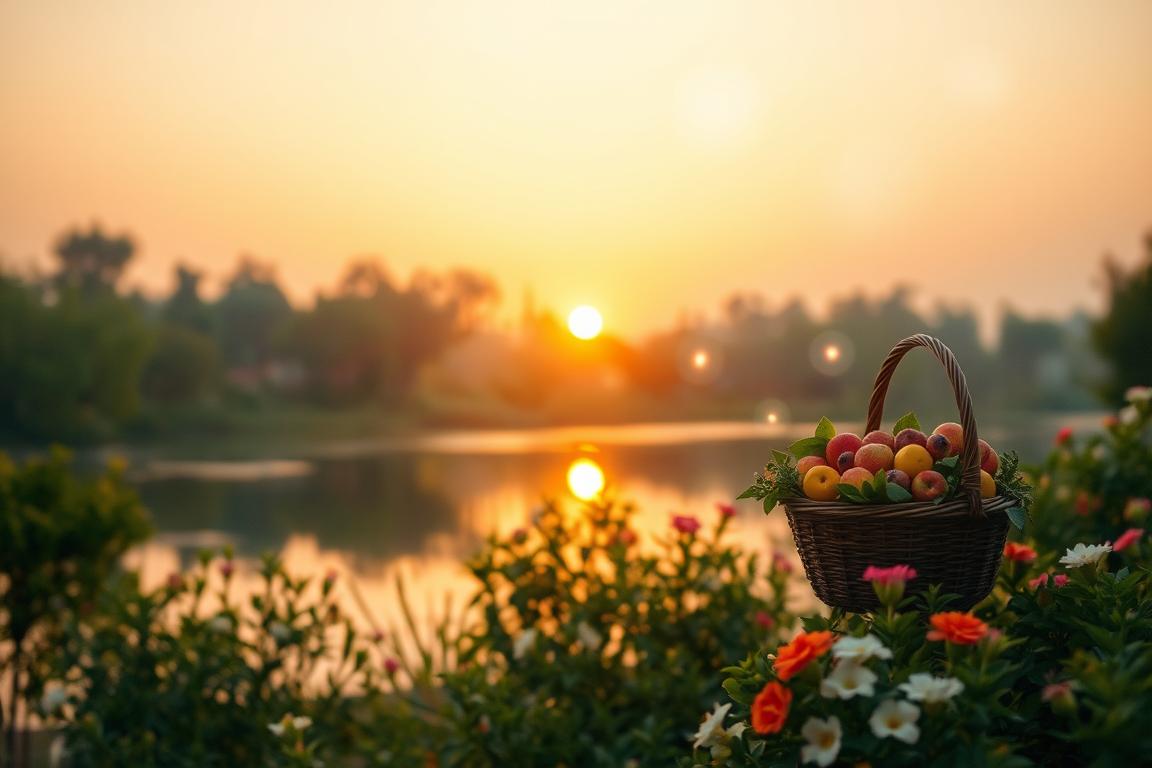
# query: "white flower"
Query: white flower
{"points": [[924, 687], [55, 696], [1138, 394], [711, 731], [221, 624], [524, 643], [1129, 415], [1085, 554], [280, 631], [823, 741], [297, 723], [848, 679], [589, 637], [896, 719], [860, 648]]}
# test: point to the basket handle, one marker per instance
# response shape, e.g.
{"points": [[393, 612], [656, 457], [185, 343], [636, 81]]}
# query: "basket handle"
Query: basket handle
{"points": [[970, 455]]}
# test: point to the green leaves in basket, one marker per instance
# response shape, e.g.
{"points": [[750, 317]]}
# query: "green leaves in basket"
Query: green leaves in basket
{"points": [[825, 429], [808, 446], [907, 421], [875, 491], [1010, 483], [778, 481], [897, 494], [1018, 516]]}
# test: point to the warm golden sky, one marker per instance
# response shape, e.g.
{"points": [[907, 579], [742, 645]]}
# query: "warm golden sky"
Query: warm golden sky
{"points": [[640, 156]]}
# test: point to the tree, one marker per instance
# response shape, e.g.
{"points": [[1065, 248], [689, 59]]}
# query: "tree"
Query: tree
{"points": [[252, 315], [1121, 335], [91, 263], [184, 307]]}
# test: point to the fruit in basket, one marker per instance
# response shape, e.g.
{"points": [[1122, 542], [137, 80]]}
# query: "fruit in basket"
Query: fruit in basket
{"points": [[928, 485], [845, 462], [913, 459], [845, 442], [906, 437], [987, 485], [938, 446], [880, 437], [856, 477], [989, 461], [899, 477], [875, 457], [808, 462], [820, 483], [955, 434]]}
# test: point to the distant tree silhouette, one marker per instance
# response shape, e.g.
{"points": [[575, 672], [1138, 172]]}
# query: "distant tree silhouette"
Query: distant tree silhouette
{"points": [[91, 262], [185, 308], [253, 315], [1122, 335]]}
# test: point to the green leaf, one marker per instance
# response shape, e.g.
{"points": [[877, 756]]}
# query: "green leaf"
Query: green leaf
{"points": [[949, 461], [849, 492], [1018, 516], [809, 446], [897, 494], [751, 493], [781, 457], [736, 692], [825, 429], [907, 421], [770, 503], [868, 491]]}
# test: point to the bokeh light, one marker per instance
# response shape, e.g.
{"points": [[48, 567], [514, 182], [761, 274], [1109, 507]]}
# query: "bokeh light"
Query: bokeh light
{"points": [[832, 353], [585, 479], [585, 322], [773, 412], [700, 361]]}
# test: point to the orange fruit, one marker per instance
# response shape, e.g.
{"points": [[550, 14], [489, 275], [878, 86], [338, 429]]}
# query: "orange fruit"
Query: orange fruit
{"points": [[987, 485], [913, 459], [820, 483]]}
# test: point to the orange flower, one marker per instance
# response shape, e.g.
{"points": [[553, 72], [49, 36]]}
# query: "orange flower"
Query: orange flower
{"points": [[957, 627], [1021, 553], [805, 647], [770, 709]]}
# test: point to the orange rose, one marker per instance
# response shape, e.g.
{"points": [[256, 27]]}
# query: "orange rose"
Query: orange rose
{"points": [[805, 647], [770, 709], [956, 627], [1021, 553]]}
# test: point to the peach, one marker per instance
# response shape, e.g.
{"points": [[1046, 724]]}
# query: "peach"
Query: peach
{"points": [[899, 477], [845, 461], [928, 485], [844, 442], [856, 477], [807, 463], [880, 437], [989, 461], [987, 484], [913, 459], [938, 446], [955, 434], [875, 457], [909, 437], [820, 483]]}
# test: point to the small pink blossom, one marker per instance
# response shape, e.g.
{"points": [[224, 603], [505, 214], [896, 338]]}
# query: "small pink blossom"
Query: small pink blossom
{"points": [[1064, 436], [627, 536], [227, 568], [897, 574], [1127, 539], [1039, 581], [781, 563], [725, 510], [1055, 690], [685, 523], [1060, 579], [391, 666], [764, 620], [175, 581]]}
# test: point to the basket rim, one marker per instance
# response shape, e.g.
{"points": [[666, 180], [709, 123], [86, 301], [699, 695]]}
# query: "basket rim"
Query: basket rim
{"points": [[922, 510]]}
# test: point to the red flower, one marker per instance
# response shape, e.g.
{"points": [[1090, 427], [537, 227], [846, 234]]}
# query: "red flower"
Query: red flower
{"points": [[1064, 436], [627, 536], [685, 523], [805, 648], [726, 510], [781, 563], [1020, 553], [956, 627], [770, 709], [1060, 579], [897, 574], [391, 666], [1127, 539], [764, 620]]}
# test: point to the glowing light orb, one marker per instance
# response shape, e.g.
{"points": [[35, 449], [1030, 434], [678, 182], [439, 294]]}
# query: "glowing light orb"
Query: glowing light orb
{"points": [[585, 479], [831, 353], [700, 359], [585, 322]]}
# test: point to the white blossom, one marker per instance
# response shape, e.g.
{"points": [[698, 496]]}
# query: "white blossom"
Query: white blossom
{"points": [[297, 723], [524, 643], [860, 648], [1129, 415], [823, 738], [711, 730], [1138, 394], [924, 687], [848, 679], [589, 637], [1085, 554], [896, 719]]}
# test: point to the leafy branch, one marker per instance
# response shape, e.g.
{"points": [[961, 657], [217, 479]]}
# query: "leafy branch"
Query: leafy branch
{"points": [[779, 480], [1011, 483]]}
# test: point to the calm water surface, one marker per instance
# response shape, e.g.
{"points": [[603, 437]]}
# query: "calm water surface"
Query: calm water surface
{"points": [[417, 506]]}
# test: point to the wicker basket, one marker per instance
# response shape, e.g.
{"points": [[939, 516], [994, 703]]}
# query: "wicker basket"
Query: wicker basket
{"points": [[957, 543]]}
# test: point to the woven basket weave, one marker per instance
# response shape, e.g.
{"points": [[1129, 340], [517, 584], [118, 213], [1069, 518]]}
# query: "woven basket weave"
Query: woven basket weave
{"points": [[957, 543]]}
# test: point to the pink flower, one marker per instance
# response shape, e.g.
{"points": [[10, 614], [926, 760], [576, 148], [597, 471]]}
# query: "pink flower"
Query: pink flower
{"points": [[1127, 539], [1060, 579], [627, 536], [897, 574], [726, 510], [1039, 581], [764, 620], [227, 568], [781, 563], [685, 523], [1064, 436], [1055, 690], [391, 666]]}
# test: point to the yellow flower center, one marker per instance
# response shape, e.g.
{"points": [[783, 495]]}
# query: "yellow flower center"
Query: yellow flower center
{"points": [[894, 722]]}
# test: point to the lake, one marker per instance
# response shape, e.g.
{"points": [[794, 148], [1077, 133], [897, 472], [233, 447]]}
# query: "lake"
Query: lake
{"points": [[417, 506]]}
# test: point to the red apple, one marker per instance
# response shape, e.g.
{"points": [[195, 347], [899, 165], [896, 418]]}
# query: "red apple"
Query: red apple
{"points": [[989, 461], [844, 442], [928, 485], [845, 461], [909, 437], [939, 446], [880, 437], [955, 434], [856, 477], [806, 463], [874, 457], [899, 477]]}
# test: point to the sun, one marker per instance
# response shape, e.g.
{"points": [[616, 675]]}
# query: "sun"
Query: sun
{"points": [[585, 479], [585, 322]]}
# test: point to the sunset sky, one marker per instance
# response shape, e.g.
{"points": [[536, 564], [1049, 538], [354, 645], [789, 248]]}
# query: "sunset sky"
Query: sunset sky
{"points": [[641, 157]]}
